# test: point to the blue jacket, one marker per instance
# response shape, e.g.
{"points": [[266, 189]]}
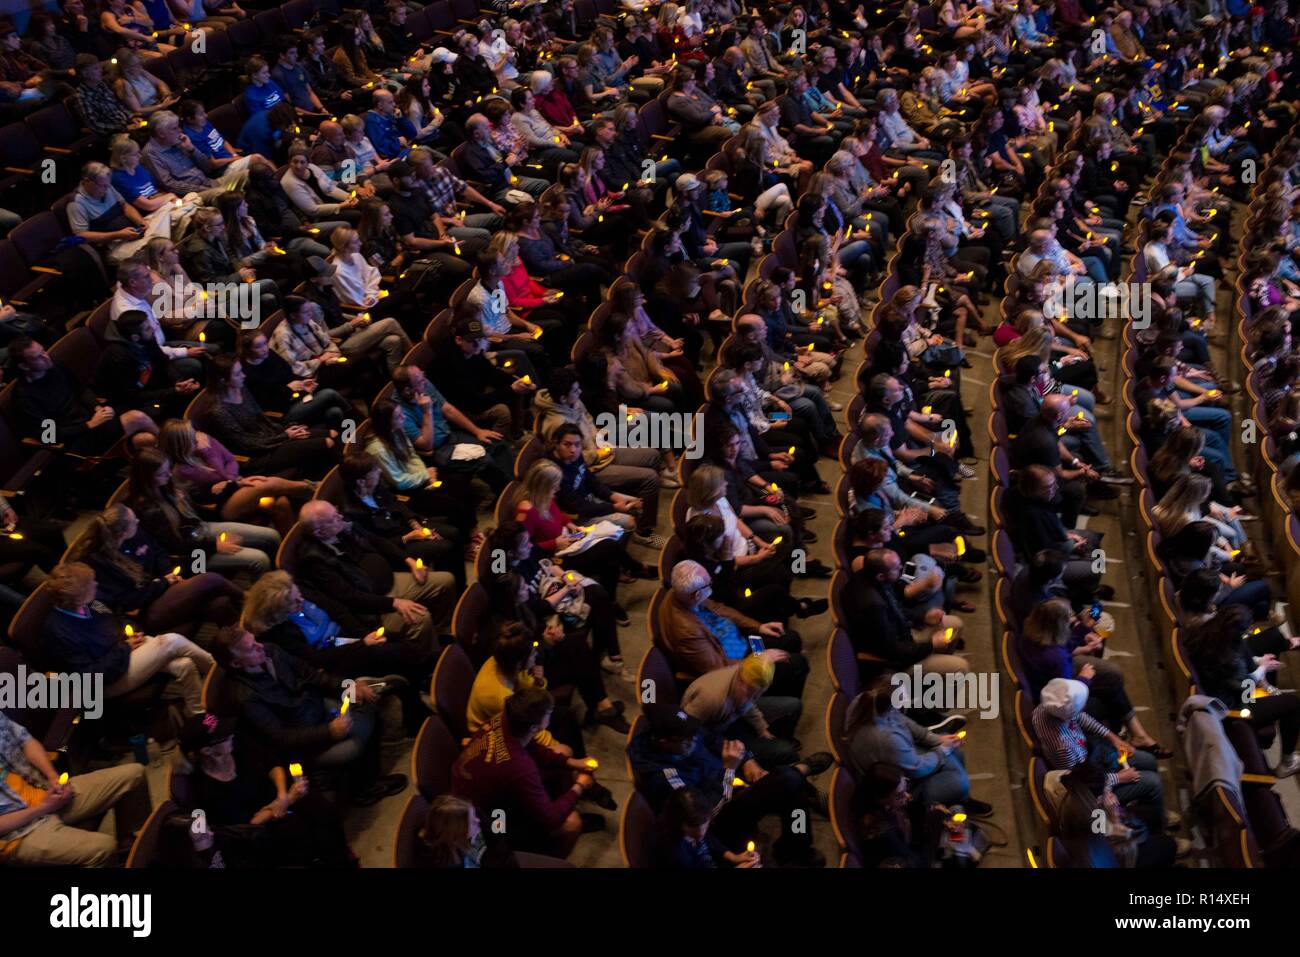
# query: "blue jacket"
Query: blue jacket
{"points": [[385, 132]]}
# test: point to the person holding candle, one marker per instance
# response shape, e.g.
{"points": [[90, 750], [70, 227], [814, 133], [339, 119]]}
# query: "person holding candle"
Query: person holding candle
{"points": [[505, 768], [558, 608], [82, 635], [369, 500], [260, 815], [276, 387], [41, 811], [934, 764], [676, 751], [555, 533], [231, 414], [211, 476], [585, 497], [438, 429], [167, 513], [134, 574], [296, 710], [326, 632], [685, 841], [373, 576], [491, 395], [1069, 737]]}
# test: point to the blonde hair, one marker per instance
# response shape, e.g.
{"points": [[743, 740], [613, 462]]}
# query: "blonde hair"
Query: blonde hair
{"points": [[539, 485], [267, 602], [708, 484], [178, 440], [340, 239], [1049, 623]]}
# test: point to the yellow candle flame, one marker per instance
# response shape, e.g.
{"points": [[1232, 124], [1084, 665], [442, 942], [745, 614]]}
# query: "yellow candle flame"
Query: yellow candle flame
{"points": [[176, 570], [63, 778], [592, 763], [343, 708], [130, 632], [266, 501], [749, 847], [777, 540], [295, 769]]}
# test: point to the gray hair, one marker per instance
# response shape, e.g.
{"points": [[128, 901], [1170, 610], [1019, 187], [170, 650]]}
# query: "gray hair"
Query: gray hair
{"points": [[689, 577], [162, 120], [93, 171]]}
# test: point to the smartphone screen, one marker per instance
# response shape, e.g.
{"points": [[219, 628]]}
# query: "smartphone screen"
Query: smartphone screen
{"points": [[756, 644]]}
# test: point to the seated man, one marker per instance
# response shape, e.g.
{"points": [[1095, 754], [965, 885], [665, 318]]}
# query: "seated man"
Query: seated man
{"points": [[296, 709], [731, 701], [879, 626], [486, 164], [488, 394], [47, 392], [437, 429], [636, 471], [38, 815], [702, 635], [676, 752], [506, 773], [133, 372], [361, 570], [179, 167], [1035, 525], [101, 217], [134, 292], [82, 635], [586, 497]]}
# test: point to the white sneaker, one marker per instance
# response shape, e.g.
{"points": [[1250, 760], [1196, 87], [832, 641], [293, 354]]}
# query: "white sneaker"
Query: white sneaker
{"points": [[965, 471], [1287, 766], [668, 479], [834, 406], [617, 669]]}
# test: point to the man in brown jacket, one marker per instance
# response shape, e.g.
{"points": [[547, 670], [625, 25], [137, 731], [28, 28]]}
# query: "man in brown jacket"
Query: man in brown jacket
{"points": [[702, 635]]}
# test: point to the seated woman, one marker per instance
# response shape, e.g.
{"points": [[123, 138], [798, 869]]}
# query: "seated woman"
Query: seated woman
{"points": [[369, 502], [448, 497], [513, 667], [140, 90], [166, 513], [1193, 548], [747, 582], [356, 281], [250, 249], [133, 573], [232, 415], [889, 831], [185, 304], [878, 732], [628, 301], [1188, 500], [549, 264], [1228, 669], [1052, 644], [1069, 738], [451, 838], [708, 493], [771, 417], [556, 535], [210, 474], [299, 401], [636, 375], [260, 815]]}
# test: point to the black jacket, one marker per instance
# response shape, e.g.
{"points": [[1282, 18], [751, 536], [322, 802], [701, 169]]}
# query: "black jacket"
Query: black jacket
{"points": [[358, 571], [877, 626], [289, 710]]}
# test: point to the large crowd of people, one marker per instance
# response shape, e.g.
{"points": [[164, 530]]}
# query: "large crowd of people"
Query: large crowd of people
{"points": [[326, 462]]}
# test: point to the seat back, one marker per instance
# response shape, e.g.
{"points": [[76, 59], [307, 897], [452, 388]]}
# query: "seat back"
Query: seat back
{"points": [[406, 840], [434, 753], [449, 692], [636, 832]]}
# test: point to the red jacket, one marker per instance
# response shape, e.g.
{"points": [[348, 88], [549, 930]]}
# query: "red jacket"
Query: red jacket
{"points": [[555, 106]]}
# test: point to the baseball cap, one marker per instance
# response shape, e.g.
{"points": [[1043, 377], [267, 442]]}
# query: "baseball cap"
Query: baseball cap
{"points": [[319, 267], [671, 722], [687, 182], [468, 328], [443, 55], [204, 730]]}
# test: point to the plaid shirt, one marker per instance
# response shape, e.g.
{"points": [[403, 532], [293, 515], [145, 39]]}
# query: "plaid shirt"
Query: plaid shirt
{"points": [[300, 351], [442, 189], [12, 759]]}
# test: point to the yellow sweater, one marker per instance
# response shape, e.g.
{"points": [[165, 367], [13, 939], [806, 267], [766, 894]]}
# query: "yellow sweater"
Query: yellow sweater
{"points": [[487, 698]]}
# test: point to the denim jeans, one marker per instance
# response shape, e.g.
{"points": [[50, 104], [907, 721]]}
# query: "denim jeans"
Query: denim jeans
{"points": [[949, 785], [257, 554]]}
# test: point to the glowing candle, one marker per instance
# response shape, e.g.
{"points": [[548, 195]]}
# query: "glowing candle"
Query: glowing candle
{"points": [[266, 501], [777, 540], [592, 764], [295, 770], [63, 778]]}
